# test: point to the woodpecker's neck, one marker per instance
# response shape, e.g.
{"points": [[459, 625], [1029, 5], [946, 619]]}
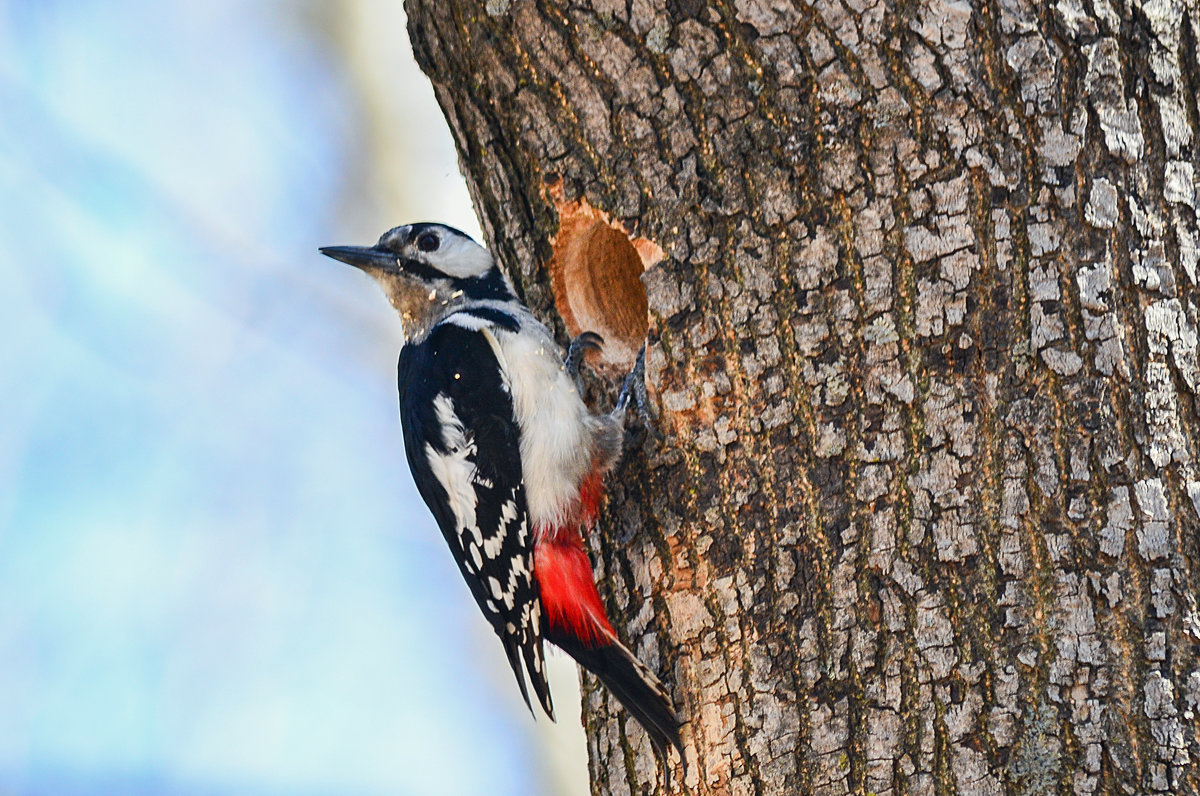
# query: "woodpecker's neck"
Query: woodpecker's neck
{"points": [[421, 303]]}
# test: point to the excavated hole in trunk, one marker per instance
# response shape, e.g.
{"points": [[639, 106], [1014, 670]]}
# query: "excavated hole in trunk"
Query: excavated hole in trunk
{"points": [[596, 276]]}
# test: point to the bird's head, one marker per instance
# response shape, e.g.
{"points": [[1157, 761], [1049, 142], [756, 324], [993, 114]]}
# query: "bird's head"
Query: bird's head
{"points": [[426, 270]]}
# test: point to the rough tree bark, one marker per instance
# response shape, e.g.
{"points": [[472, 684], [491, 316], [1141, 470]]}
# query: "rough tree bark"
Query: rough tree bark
{"points": [[924, 347]]}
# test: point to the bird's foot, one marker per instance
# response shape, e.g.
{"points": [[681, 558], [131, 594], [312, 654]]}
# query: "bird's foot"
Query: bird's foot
{"points": [[634, 391], [586, 341]]}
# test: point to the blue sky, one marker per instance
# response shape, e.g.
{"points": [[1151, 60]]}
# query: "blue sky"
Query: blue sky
{"points": [[215, 575]]}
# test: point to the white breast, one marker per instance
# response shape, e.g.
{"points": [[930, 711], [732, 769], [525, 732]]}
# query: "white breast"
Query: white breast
{"points": [[556, 427]]}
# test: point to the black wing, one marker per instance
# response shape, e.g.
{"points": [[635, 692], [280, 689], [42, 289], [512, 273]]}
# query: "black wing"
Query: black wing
{"points": [[462, 442]]}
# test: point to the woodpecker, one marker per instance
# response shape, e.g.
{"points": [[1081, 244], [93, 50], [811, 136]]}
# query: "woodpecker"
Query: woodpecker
{"points": [[508, 458]]}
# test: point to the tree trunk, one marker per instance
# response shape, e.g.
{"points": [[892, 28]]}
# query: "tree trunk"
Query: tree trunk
{"points": [[921, 286]]}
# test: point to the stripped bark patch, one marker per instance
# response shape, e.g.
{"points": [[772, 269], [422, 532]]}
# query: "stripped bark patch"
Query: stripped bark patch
{"points": [[595, 274]]}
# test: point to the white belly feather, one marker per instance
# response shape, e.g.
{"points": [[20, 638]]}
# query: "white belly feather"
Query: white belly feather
{"points": [[556, 426]]}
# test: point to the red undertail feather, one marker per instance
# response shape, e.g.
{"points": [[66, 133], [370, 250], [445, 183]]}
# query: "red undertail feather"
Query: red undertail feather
{"points": [[569, 598]]}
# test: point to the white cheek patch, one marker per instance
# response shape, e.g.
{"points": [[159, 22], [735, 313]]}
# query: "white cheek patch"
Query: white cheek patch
{"points": [[459, 257]]}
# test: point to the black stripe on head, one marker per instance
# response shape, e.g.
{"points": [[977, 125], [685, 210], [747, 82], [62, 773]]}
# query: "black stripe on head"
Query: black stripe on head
{"points": [[490, 286], [424, 271]]}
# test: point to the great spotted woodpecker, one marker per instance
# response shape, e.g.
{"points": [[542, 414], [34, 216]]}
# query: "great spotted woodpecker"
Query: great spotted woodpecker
{"points": [[508, 458]]}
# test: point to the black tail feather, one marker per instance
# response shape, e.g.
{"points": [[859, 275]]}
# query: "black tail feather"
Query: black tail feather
{"points": [[514, 660], [535, 665], [634, 686]]}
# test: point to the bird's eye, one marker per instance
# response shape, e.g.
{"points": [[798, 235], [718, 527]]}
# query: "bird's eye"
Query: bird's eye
{"points": [[428, 242]]}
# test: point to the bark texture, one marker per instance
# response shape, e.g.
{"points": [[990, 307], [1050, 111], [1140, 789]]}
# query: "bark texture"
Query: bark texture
{"points": [[925, 519]]}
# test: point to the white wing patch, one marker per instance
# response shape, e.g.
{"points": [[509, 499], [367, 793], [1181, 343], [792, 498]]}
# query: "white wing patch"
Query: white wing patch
{"points": [[455, 471]]}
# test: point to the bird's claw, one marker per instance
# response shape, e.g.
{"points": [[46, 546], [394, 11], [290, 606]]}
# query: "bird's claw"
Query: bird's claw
{"points": [[634, 390], [586, 341]]}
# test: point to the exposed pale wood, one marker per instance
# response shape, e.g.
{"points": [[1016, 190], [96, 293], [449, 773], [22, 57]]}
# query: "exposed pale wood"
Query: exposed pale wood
{"points": [[595, 273]]}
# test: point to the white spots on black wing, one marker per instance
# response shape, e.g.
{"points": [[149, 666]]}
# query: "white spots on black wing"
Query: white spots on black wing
{"points": [[514, 587], [509, 513], [476, 537], [491, 547], [508, 566]]}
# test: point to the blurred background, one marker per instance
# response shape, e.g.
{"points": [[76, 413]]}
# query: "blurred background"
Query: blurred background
{"points": [[216, 576]]}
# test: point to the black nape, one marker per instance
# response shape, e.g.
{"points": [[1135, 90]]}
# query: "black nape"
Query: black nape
{"points": [[491, 286]]}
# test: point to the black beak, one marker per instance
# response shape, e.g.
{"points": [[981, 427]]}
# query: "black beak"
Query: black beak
{"points": [[367, 258]]}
